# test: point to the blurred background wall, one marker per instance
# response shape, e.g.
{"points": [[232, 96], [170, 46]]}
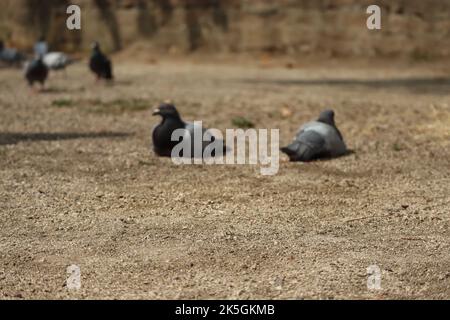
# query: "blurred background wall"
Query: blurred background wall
{"points": [[336, 28]]}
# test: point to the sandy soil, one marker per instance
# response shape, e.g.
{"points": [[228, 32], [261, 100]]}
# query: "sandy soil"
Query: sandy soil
{"points": [[80, 185]]}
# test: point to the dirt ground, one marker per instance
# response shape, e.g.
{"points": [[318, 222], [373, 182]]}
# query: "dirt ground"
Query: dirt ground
{"points": [[80, 186]]}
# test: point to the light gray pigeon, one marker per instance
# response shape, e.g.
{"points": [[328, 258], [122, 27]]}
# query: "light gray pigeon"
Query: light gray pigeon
{"points": [[317, 139], [56, 60], [41, 47], [171, 121], [10, 56]]}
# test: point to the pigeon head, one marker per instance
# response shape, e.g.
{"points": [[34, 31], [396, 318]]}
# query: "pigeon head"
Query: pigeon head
{"points": [[327, 116], [166, 110], [95, 46]]}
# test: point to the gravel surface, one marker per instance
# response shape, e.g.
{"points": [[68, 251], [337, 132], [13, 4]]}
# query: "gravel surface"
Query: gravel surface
{"points": [[79, 185]]}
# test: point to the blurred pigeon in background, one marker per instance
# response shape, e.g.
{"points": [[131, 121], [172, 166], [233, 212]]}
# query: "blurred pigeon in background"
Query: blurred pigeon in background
{"points": [[57, 61], [100, 64], [41, 47], [36, 71], [10, 56], [317, 139], [171, 121]]}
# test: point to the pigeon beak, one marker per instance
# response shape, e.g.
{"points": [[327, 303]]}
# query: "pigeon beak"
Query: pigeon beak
{"points": [[156, 112]]}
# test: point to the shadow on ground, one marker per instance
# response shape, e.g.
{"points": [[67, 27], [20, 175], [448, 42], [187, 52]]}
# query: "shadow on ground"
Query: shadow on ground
{"points": [[8, 138], [435, 85]]}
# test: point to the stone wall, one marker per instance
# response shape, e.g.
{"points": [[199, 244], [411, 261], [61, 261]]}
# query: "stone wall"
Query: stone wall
{"points": [[413, 28]]}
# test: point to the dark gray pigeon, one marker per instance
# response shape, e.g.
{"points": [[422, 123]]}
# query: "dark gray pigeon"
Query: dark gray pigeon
{"points": [[171, 121], [317, 139], [36, 71], [99, 64]]}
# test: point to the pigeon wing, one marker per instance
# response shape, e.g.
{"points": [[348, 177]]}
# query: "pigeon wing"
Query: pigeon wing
{"points": [[308, 145], [334, 143]]}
